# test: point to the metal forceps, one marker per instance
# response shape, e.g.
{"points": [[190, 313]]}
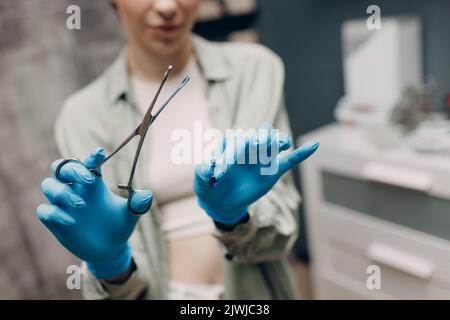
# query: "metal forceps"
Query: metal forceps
{"points": [[140, 131]]}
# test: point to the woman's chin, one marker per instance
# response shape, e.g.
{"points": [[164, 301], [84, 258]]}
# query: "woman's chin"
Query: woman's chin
{"points": [[165, 44]]}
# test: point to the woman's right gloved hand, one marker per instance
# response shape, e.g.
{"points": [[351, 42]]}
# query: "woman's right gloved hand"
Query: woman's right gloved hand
{"points": [[89, 219]]}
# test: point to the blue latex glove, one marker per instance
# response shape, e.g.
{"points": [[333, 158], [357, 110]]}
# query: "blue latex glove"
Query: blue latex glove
{"points": [[236, 185], [89, 219]]}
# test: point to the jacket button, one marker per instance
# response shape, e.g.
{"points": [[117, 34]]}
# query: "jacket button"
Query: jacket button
{"points": [[229, 256]]}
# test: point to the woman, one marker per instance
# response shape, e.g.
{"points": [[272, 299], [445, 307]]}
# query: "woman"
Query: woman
{"points": [[229, 241]]}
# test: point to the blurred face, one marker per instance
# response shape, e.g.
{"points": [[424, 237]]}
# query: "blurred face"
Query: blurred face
{"points": [[158, 26]]}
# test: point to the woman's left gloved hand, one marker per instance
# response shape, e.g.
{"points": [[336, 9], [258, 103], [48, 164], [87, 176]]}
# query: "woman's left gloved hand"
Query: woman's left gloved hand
{"points": [[225, 187]]}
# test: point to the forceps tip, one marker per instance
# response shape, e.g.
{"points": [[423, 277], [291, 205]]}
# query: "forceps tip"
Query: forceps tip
{"points": [[169, 68], [186, 79]]}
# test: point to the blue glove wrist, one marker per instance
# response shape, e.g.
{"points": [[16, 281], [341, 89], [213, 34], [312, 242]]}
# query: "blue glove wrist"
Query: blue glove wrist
{"points": [[227, 219], [114, 267]]}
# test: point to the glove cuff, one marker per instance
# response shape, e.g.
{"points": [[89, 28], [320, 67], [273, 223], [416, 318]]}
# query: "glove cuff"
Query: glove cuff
{"points": [[231, 227], [232, 219], [114, 267]]}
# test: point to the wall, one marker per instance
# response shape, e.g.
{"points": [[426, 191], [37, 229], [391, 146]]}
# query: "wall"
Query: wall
{"points": [[41, 62]]}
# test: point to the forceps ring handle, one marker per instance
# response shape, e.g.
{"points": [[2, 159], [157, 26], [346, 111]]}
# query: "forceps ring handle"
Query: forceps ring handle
{"points": [[94, 171], [59, 167], [131, 193], [128, 188]]}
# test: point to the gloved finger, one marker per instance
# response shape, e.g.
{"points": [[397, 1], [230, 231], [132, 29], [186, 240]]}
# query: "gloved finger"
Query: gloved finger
{"points": [[95, 158], [264, 142], [54, 217], [204, 174], [216, 154], [141, 201], [275, 143], [59, 193], [219, 170], [296, 157], [73, 172], [284, 141], [208, 175], [221, 148], [235, 148], [204, 171]]}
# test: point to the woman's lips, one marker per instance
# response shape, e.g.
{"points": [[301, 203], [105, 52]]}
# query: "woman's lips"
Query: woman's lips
{"points": [[165, 28]]}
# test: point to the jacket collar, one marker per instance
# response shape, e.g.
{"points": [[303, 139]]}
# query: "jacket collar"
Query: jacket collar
{"points": [[210, 58]]}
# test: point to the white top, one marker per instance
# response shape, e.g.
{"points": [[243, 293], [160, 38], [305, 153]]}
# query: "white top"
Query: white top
{"points": [[171, 182]]}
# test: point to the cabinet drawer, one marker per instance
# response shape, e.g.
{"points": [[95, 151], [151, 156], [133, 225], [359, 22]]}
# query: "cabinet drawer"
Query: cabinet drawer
{"points": [[406, 207], [394, 282], [413, 265], [335, 285]]}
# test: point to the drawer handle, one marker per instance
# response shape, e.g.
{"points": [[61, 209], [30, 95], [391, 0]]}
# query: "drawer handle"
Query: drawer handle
{"points": [[399, 177], [405, 262]]}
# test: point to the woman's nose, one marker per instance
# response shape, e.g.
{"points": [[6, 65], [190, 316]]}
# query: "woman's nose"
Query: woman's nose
{"points": [[166, 8]]}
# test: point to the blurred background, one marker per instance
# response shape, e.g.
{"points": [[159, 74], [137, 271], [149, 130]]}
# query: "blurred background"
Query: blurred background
{"points": [[378, 192]]}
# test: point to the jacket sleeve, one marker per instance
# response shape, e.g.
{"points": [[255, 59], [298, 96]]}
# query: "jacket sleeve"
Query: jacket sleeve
{"points": [[272, 229], [76, 134]]}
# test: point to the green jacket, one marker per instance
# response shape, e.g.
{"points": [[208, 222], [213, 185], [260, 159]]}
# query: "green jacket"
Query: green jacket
{"points": [[245, 89]]}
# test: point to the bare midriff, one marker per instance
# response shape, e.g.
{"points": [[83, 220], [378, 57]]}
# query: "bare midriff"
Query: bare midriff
{"points": [[195, 260]]}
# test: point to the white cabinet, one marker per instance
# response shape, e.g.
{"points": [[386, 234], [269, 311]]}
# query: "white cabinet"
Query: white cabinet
{"points": [[364, 206]]}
